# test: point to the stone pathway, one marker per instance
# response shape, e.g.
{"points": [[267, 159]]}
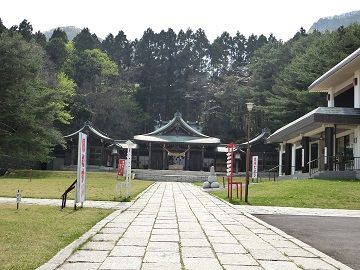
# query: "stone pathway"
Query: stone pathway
{"points": [[255, 210], [294, 211], [178, 226], [69, 203]]}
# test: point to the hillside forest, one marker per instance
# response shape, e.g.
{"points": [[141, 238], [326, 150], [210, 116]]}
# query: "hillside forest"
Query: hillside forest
{"points": [[50, 88]]}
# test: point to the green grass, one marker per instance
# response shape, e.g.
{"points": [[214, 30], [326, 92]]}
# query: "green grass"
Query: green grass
{"points": [[32, 235], [312, 193], [52, 184]]}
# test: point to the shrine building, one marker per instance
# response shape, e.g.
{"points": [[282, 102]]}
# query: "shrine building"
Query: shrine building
{"points": [[176, 145]]}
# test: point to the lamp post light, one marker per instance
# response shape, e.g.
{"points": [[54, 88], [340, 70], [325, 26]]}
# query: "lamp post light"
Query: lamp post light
{"points": [[249, 107]]}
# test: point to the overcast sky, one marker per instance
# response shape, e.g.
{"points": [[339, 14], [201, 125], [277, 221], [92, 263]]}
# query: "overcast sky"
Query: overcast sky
{"points": [[283, 18]]}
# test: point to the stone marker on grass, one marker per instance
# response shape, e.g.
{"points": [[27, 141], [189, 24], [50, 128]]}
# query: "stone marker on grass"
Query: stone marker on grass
{"points": [[211, 182]]}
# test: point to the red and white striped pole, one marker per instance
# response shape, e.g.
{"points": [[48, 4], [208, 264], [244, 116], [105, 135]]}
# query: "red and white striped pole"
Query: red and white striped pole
{"points": [[230, 167]]}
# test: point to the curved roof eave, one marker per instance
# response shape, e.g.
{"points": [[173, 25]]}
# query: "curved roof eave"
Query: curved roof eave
{"points": [[75, 133], [183, 123], [93, 130], [177, 139], [263, 135]]}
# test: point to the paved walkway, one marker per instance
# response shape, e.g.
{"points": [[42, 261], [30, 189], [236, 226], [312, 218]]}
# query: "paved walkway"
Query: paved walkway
{"points": [[254, 210], [294, 211], [69, 203], [178, 226]]}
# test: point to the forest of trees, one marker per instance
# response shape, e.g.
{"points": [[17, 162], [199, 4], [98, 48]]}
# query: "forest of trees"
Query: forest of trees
{"points": [[50, 88]]}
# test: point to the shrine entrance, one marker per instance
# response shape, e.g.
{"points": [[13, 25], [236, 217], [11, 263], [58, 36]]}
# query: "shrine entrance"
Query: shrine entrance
{"points": [[176, 157], [177, 145]]}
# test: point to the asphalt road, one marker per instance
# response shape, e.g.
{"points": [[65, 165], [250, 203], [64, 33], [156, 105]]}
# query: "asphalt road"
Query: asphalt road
{"points": [[338, 237]]}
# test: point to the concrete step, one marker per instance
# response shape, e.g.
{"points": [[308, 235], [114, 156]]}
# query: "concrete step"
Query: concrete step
{"points": [[171, 175], [335, 175], [294, 176]]}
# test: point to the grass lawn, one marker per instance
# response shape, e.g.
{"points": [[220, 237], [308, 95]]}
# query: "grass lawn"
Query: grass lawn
{"points": [[312, 193], [52, 184], [32, 235]]}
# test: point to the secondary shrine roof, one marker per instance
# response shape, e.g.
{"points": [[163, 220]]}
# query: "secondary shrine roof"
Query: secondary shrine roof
{"points": [[89, 128], [177, 131]]}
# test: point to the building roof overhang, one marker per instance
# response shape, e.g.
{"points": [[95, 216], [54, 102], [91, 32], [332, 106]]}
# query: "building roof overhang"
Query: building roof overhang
{"points": [[169, 134], [338, 74], [258, 139], [122, 145], [315, 119], [177, 139], [89, 128]]}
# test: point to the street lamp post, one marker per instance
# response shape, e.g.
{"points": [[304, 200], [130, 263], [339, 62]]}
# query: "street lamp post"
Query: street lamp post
{"points": [[249, 107]]}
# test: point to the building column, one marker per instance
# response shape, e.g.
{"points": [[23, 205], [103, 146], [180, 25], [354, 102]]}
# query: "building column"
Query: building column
{"points": [[137, 158], [164, 159], [149, 147], [329, 144], [305, 154], [72, 157], [356, 83], [287, 168], [280, 159], [293, 158], [202, 157], [188, 159], [330, 98], [321, 153], [357, 141], [114, 162]]}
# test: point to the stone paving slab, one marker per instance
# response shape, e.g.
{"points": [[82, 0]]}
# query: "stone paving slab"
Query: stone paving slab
{"points": [[273, 210], [178, 226], [69, 203]]}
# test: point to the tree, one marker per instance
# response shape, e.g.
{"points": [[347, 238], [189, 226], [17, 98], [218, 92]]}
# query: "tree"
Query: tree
{"points": [[315, 54], [93, 68], [2, 26], [221, 54], [56, 49], [40, 38], [25, 29], [29, 104], [119, 49], [58, 33], [86, 41]]}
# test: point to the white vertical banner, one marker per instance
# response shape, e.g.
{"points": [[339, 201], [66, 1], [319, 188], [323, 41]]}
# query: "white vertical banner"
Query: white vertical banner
{"points": [[325, 155], [81, 168], [130, 145], [255, 161]]}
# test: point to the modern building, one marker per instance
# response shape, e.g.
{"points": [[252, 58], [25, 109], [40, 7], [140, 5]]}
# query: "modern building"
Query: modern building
{"points": [[327, 138]]}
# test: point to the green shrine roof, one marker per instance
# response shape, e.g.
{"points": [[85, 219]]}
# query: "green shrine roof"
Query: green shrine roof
{"points": [[89, 128], [177, 131]]}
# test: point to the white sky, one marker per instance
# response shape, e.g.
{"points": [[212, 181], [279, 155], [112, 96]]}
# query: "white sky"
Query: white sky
{"points": [[283, 18]]}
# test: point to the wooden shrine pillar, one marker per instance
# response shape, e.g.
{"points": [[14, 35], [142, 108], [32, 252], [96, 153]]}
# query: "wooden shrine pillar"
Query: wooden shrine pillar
{"points": [[202, 157], [164, 167], [72, 157], [188, 159], [137, 158], [149, 147]]}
